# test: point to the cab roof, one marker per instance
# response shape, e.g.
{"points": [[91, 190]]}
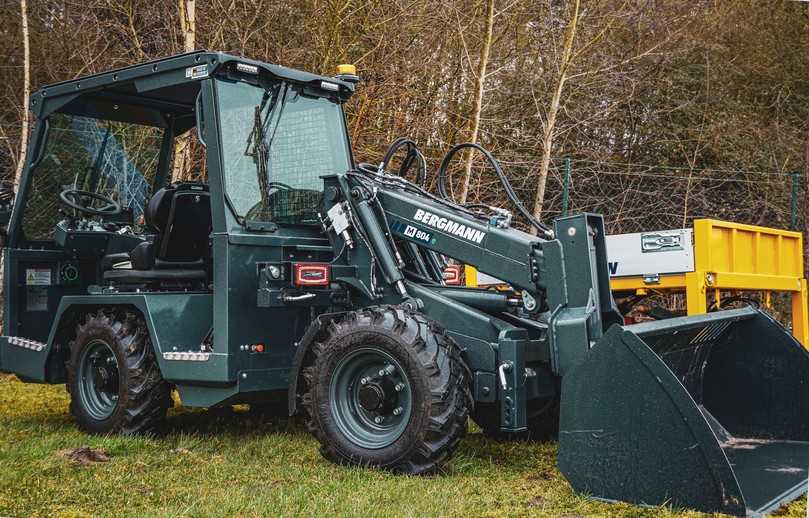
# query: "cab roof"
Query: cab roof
{"points": [[167, 86]]}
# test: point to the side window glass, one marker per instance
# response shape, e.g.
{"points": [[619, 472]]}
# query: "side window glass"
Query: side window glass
{"points": [[116, 159], [190, 161]]}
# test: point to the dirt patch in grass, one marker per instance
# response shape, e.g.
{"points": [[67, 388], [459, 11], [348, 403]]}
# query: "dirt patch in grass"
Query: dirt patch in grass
{"points": [[85, 456]]}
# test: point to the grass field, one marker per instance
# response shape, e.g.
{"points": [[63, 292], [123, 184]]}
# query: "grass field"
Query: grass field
{"points": [[236, 464]]}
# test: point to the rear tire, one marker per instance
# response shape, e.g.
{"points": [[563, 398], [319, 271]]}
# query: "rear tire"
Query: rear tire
{"points": [[114, 381], [387, 388]]}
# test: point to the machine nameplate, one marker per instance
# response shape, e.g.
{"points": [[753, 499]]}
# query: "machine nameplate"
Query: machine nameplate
{"points": [[449, 226]]}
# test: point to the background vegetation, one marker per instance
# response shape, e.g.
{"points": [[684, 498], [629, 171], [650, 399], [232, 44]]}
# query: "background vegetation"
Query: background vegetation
{"points": [[670, 109]]}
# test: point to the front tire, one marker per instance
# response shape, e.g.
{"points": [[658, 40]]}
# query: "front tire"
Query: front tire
{"points": [[114, 381], [387, 388]]}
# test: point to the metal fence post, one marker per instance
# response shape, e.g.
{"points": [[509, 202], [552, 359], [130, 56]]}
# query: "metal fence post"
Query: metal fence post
{"points": [[566, 187], [793, 215]]}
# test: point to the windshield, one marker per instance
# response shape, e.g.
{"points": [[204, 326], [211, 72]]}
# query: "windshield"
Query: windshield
{"points": [[116, 159], [276, 143]]}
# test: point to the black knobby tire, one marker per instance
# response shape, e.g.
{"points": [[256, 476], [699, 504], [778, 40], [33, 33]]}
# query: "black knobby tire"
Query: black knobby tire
{"points": [[438, 385], [141, 398]]}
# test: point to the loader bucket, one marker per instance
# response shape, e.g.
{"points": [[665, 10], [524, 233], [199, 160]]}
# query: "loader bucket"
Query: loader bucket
{"points": [[708, 412]]}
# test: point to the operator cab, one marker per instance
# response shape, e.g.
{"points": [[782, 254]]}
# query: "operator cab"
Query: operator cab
{"points": [[102, 210], [99, 191]]}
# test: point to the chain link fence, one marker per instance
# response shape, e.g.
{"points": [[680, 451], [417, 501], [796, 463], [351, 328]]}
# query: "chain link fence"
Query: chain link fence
{"points": [[643, 197]]}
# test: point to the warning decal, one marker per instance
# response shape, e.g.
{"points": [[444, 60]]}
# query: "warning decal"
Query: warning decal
{"points": [[38, 277]]}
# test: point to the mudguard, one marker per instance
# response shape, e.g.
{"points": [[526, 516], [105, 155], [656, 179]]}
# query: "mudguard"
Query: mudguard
{"points": [[161, 311]]}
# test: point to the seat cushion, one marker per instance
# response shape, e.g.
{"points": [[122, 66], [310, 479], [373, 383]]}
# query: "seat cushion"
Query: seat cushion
{"points": [[148, 276]]}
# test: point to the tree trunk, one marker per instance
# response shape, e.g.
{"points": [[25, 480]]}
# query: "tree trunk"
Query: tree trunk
{"points": [[182, 146], [188, 24], [553, 111], [26, 95], [477, 107], [26, 99]]}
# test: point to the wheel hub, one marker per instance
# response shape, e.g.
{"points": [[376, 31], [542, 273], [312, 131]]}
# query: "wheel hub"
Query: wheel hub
{"points": [[370, 398], [378, 395], [105, 378], [98, 380]]}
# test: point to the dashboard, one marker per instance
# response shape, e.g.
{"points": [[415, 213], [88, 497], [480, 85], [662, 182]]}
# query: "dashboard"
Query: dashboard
{"points": [[90, 238]]}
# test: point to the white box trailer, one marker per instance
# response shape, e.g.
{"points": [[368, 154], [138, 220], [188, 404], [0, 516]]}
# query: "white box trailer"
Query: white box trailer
{"points": [[651, 254]]}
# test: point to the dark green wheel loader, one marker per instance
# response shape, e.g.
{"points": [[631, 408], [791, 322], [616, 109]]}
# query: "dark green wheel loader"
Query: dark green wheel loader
{"points": [[293, 273]]}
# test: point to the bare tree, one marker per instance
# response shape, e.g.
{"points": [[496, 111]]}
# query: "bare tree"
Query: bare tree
{"points": [[619, 86], [26, 94], [188, 24], [553, 109], [188, 27], [477, 107]]}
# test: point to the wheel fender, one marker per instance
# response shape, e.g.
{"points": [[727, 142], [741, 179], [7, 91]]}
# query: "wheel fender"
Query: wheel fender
{"points": [[161, 312], [303, 357], [53, 370]]}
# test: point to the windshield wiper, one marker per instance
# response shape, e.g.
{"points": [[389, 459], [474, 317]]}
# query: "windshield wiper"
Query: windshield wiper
{"points": [[257, 137]]}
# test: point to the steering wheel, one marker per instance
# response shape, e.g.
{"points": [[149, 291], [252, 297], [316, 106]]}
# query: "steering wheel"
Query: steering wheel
{"points": [[82, 201]]}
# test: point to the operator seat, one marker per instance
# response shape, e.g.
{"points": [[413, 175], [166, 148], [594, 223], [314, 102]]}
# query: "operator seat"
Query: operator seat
{"points": [[180, 217]]}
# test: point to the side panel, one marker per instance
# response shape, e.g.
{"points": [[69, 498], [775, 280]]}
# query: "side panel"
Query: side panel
{"points": [[176, 323], [34, 284], [278, 326]]}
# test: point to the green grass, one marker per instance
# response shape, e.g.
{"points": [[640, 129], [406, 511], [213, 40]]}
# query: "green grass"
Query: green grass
{"points": [[235, 464]]}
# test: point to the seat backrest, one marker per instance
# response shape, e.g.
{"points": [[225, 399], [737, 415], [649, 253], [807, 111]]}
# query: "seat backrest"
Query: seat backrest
{"points": [[180, 214]]}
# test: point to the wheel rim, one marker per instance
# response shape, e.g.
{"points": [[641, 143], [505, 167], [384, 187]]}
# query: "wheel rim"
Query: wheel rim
{"points": [[370, 398], [98, 380]]}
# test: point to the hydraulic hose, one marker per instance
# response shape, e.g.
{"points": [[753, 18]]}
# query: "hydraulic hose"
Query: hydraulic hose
{"points": [[413, 154], [512, 196]]}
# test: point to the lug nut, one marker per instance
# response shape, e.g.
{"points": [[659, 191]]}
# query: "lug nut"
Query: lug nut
{"points": [[378, 419], [387, 370], [399, 387], [364, 381], [397, 410]]}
